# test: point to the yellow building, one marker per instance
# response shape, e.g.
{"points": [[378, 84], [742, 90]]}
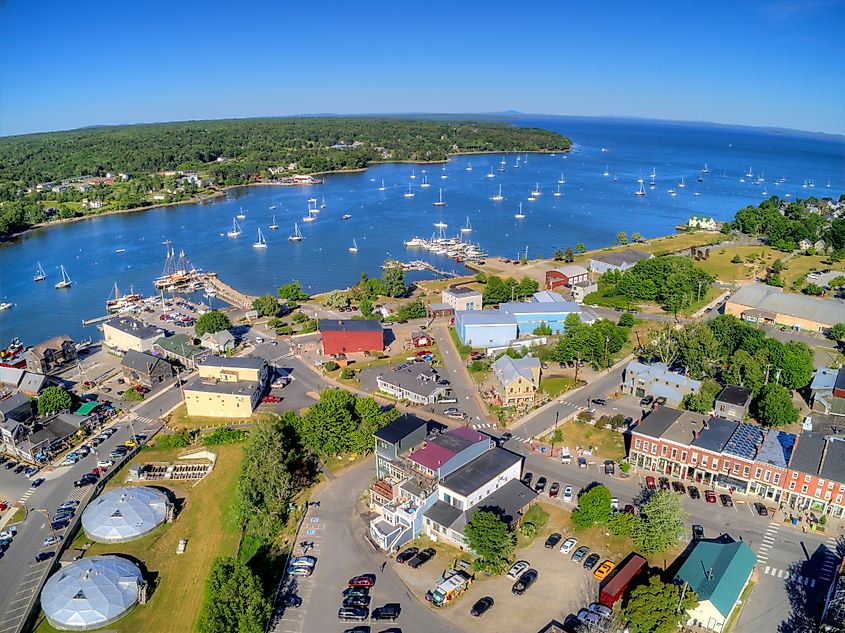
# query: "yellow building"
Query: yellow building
{"points": [[226, 387], [126, 334], [517, 379], [760, 303], [462, 298]]}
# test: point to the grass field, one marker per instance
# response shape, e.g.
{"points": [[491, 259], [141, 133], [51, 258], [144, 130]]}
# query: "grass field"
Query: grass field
{"points": [[720, 265], [606, 444], [556, 385], [208, 524], [180, 419], [797, 268]]}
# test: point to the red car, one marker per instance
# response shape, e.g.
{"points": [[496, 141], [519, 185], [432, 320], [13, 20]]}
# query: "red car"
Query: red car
{"points": [[710, 496], [649, 483], [366, 580], [271, 399]]}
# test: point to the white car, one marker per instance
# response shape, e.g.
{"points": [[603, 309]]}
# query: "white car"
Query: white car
{"points": [[9, 533], [52, 540], [105, 463], [601, 610], [588, 617], [567, 546], [517, 569], [567, 494]]}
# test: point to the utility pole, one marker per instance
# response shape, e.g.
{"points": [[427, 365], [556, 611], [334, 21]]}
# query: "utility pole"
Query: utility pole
{"points": [[49, 522]]}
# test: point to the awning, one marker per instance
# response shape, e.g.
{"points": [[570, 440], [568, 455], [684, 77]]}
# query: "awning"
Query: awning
{"points": [[86, 408]]}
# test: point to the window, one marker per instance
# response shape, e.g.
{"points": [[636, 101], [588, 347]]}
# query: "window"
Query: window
{"points": [[674, 453], [804, 489], [830, 485], [736, 468], [715, 464], [838, 499], [746, 471], [792, 485], [795, 475], [704, 460], [758, 472], [776, 480], [645, 446], [827, 496], [821, 483], [726, 466], [654, 449], [683, 456], [818, 493], [768, 475], [663, 450], [636, 443], [807, 478]]}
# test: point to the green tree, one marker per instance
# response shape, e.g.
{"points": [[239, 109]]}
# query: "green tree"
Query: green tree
{"points": [[266, 305], [814, 290], [412, 310], [837, 332], [736, 259], [636, 237], [527, 287], [796, 362], [133, 395], [212, 321], [658, 607], [495, 291], [393, 281], [366, 307], [580, 248], [292, 292], [491, 540], [569, 256], [234, 599], [626, 319], [53, 400], [622, 524], [661, 523], [593, 507], [778, 266], [699, 350], [774, 406], [337, 299], [543, 329], [559, 255], [704, 399], [622, 237]]}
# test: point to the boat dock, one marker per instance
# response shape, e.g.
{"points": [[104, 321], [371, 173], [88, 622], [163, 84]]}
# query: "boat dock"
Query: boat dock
{"points": [[98, 319], [228, 294], [421, 265]]}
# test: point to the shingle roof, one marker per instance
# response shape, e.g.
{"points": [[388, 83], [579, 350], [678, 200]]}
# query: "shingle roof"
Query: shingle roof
{"points": [[716, 434], [777, 448], [509, 369], [180, 345], [470, 477], [442, 447], [507, 501], [717, 572], [400, 428], [140, 362], [733, 394], [763, 297], [240, 362], [133, 327], [658, 421], [349, 325], [621, 258], [462, 291]]}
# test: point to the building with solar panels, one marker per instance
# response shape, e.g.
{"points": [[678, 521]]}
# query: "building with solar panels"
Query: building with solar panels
{"points": [[91, 593], [125, 514]]}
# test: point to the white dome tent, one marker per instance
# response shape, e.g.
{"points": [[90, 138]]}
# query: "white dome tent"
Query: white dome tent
{"points": [[91, 592], [125, 514]]}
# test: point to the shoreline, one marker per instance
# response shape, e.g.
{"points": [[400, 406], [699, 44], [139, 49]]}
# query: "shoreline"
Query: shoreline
{"points": [[262, 183]]}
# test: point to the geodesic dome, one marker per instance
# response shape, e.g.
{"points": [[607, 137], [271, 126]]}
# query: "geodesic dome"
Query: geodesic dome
{"points": [[90, 592], [124, 514]]}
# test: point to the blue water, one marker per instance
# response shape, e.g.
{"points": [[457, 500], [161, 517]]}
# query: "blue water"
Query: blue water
{"points": [[592, 209]]}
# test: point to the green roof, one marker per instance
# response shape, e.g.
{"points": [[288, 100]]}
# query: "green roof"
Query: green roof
{"points": [[718, 571], [180, 345], [87, 407]]}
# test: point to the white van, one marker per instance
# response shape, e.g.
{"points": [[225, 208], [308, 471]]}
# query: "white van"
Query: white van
{"points": [[565, 456]]}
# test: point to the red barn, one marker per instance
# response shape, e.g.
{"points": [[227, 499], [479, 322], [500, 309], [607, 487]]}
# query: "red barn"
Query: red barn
{"points": [[566, 276], [344, 337]]}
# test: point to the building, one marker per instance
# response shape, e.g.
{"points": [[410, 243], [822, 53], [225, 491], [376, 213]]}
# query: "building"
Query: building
{"points": [[180, 349], [15, 379], [617, 260], [827, 391], [485, 328], [706, 224], [421, 339], [409, 465], [733, 402], [517, 380], [717, 572], [145, 370], [341, 336], [530, 316], [412, 381], [833, 616], [435, 310], [581, 289], [641, 379], [462, 298], [126, 334], [759, 303], [218, 342], [566, 276], [51, 356], [125, 514], [226, 387], [489, 482], [39, 440]]}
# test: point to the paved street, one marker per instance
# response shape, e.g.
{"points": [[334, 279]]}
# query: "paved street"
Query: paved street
{"points": [[454, 369]]}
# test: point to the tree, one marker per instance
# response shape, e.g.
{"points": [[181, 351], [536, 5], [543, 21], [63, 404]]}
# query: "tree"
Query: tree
{"points": [[491, 540], [658, 607], [837, 332], [558, 255], [393, 281], [622, 237], [234, 599], [133, 395], [621, 524], [661, 523], [814, 290], [774, 406], [796, 362], [337, 299], [580, 248], [626, 319], [266, 305], [556, 438], [366, 307], [412, 310], [53, 400], [212, 321], [736, 259], [664, 346], [527, 287], [704, 400], [495, 291], [636, 237], [699, 350], [593, 507], [292, 292], [543, 329], [569, 256]]}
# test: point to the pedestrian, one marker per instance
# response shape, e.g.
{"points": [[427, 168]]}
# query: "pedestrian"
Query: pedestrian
{"points": [[804, 529]]}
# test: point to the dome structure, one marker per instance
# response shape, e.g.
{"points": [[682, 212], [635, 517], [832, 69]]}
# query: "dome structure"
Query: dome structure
{"points": [[91, 592], [124, 514]]}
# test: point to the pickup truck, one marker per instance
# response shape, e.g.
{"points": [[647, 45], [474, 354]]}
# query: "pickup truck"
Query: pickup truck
{"points": [[565, 455]]}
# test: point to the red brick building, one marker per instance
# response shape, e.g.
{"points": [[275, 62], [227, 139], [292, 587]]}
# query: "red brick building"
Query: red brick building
{"points": [[566, 276], [344, 337]]}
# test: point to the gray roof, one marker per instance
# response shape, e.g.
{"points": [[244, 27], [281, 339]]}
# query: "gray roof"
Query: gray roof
{"points": [[822, 450], [442, 513], [656, 422], [507, 501], [33, 382], [732, 394], [833, 464], [16, 401], [684, 428], [760, 296], [657, 372], [124, 514], [55, 430], [220, 338], [241, 362], [400, 428], [134, 327], [417, 378], [237, 387], [509, 369], [777, 448], [571, 270], [349, 325], [716, 434], [140, 361], [485, 317], [11, 376], [462, 291], [621, 258], [470, 477]]}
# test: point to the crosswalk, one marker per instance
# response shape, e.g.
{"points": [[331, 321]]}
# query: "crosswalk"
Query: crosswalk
{"points": [[828, 566], [487, 425], [785, 575], [769, 538]]}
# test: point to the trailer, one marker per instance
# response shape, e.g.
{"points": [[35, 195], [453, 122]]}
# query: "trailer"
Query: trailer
{"points": [[449, 588], [618, 584]]}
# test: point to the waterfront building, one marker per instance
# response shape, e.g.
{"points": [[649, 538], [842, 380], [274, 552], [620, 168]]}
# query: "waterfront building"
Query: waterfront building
{"points": [[15, 379], [617, 260], [656, 379], [733, 403], [706, 224], [126, 334], [517, 380], [414, 382], [181, 349], [759, 303], [485, 328], [51, 355], [462, 298], [226, 387], [342, 336], [143, 369], [566, 276]]}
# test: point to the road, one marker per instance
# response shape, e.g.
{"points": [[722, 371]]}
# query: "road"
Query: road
{"points": [[20, 577], [462, 386], [342, 552]]}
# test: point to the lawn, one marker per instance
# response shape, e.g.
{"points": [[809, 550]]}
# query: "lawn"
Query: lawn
{"points": [[719, 263], [208, 524], [797, 268], [179, 419], [556, 385], [680, 242], [606, 444]]}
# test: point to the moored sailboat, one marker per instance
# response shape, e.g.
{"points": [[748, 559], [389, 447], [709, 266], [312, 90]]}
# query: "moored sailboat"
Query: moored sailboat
{"points": [[297, 236], [65, 282], [261, 243], [39, 274]]}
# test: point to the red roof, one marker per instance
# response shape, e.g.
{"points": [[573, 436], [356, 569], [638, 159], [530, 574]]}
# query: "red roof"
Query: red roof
{"points": [[431, 456]]}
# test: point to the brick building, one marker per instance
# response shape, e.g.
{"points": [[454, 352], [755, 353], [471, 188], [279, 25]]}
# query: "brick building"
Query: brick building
{"points": [[344, 337], [566, 276]]}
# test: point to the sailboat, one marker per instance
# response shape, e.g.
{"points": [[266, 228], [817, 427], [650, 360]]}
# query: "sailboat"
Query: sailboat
{"points": [[519, 215], [440, 202], [469, 167], [640, 191], [297, 236], [39, 274], [261, 243], [706, 169], [382, 188], [502, 164], [558, 194], [310, 217], [498, 196], [640, 179], [425, 184], [312, 200], [516, 164], [467, 228], [274, 225], [120, 302], [273, 206], [700, 177], [653, 184], [323, 203], [236, 229], [561, 180], [241, 214], [444, 175], [536, 191], [354, 247], [346, 216], [313, 209], [440, 224], [409, 193], [750, 173], [413, 175], [491, 174], [682, 184], [65, 282], [606, 170], [5, 305]]}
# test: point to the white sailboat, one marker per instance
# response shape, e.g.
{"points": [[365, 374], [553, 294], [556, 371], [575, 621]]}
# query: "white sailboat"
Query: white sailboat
{"points": [[750, 173], [516, 164], [65, 282], [297, 236], [706, 169], [313, 209], [440, 203], [491, 174], [606, 170], [440, 224], [519, 215], [261, 243], [443, 173], [467, 228], [425, 184], [346, 216], [5, 305], [502, 164], [640, 191], [235, 230], [498, 196], [273, 206], [469, 167], [413, 175], [382, 188], [561, 180], [323, 203], [39, 274], [312, 200], [274, 225], [536, 191], [310, 217], [354, 247], [409, 193], [682, 184], [241, 215], [640, 179], [558, 194]]}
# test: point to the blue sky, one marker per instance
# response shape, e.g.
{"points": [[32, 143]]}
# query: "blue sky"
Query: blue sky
{"points": [[72, 64]]}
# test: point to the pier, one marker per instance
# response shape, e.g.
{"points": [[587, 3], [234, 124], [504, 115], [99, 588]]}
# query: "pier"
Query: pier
{"points": [[229, 294], [421, 265], [98, 319]]}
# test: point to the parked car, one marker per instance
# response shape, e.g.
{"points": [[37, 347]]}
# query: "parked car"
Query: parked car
{"points": [[422, 558], [19, 469], [726, 500], [408, 554], [580, 553], [601, 402], [364, 580], [678, 487], [356, 591], [527, 579], [660, 400], [457, 415], [105, 463], [540, 486], [693, 492], [604, 570], [481, 607], [506, 436], [356, 601], [42, 556], [609, 467], [527, 477], [300, 572], [568, 544], [37, 482], [582, 462], [271, 398], [664, 483], [646, 401], [388, 612], [357, 614], [710, 496], [553, 540], [591, 561], [697, 532], [588, 618], [518, 568], [9, 532], [554, 490], [52, 540], [762, 510]]}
